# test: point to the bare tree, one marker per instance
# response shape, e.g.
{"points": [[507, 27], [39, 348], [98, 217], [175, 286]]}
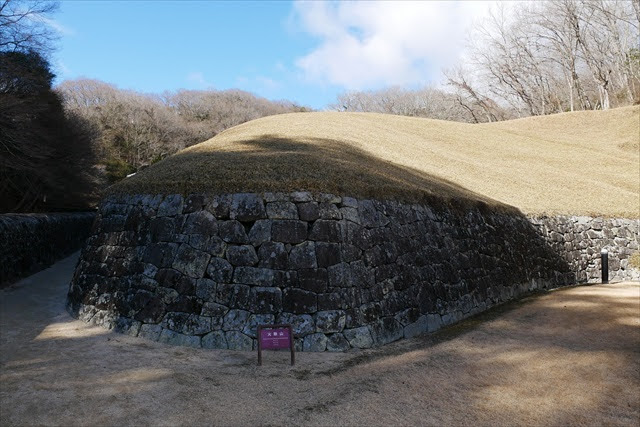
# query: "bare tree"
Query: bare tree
{"points": [[480, 107], [46, 156], [24, 25], [135, 130], [552, 56]]}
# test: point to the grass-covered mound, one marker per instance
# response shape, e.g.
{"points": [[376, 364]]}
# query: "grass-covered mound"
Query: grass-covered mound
{"points": [[573, 163]]}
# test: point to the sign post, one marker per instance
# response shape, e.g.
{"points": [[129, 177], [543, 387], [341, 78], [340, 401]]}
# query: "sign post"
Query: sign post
{"points": [[273, 337]]}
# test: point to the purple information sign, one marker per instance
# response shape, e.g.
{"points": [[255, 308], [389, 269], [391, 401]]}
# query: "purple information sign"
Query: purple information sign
{"points": [[271, 337], [274, 338]]}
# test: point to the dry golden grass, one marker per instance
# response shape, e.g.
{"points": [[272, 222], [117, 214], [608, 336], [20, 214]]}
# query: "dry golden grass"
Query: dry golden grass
{"points": [[572, 163]]}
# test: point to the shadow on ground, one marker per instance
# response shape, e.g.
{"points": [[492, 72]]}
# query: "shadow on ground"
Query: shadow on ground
{"points": [[563, 357]]}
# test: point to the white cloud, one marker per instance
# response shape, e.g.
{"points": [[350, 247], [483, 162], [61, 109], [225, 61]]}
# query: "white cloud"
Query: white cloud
{"points": [[197, 77], [372, 44], [267, 83], [54, 25], [242, 81], [63, 69], [261, 85]]}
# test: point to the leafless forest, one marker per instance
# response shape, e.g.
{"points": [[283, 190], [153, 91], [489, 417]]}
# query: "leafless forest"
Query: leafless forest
{"points": [[533, 59], [133, 130]]}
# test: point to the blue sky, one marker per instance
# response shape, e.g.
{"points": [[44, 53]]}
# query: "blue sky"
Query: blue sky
{"points": [[306, 52]]}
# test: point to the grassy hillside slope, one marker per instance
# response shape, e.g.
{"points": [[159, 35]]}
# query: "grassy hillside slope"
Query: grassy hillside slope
{"points": [[571, 163]]}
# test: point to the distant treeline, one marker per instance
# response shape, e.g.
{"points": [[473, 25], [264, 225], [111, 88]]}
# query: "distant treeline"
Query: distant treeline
{"points": [[133, 130]]}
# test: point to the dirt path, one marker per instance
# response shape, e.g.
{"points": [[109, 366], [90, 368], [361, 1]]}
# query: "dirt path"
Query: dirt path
{"points": [[565, 357]]}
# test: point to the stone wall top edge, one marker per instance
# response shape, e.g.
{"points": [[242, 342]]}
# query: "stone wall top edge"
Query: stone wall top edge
{"points": [[10, 220], [347, 201], [46, 214]]}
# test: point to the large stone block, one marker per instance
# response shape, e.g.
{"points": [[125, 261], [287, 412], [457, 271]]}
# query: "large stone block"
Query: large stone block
{"points": [[314, 280], [359, 337], [163, 229], [190, 261], [232, 232], [328, 254], [220, 206], [315, 342], [330, 321], [386, 330], [253, 276], [160, 254], [349, 202], [302, 324], [206, 289], [337, 342], [434, 322], [329, 211], [273, 255], [215, 246], [247, 207], [235, 320], [244, 255], [266, 300], [350, 214], [301, 196], [195, 202], [326, 231], [234, 295], [171, 205], [289, 231], [308, 211], [174, 279], [331, 301], [285, 279], [220, 270], [340, 275], [255, 320], [260, 232], [201, 222], [369, 216], [303, 256], [299, 301], [215, 340], [216, 312], [236, 340], [188, 324], [416, 328], [152, 312], [282, 210], [184, 303], [150, 332]]}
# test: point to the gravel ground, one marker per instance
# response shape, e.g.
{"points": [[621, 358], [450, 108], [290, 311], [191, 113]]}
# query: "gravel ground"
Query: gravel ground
{"points": [[570, 356]]}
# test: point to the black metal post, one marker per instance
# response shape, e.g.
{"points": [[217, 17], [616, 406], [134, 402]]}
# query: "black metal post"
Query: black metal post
{"points": [[604, 258]]}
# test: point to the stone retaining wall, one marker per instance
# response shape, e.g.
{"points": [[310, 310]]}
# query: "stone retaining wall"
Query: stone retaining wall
{"points": [[579, 240], [205, 271], [32, 242]]}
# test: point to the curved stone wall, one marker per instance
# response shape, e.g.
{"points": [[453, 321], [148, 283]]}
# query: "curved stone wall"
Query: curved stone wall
{"points": [[205, 271], [579, 239], [32, 242]]}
